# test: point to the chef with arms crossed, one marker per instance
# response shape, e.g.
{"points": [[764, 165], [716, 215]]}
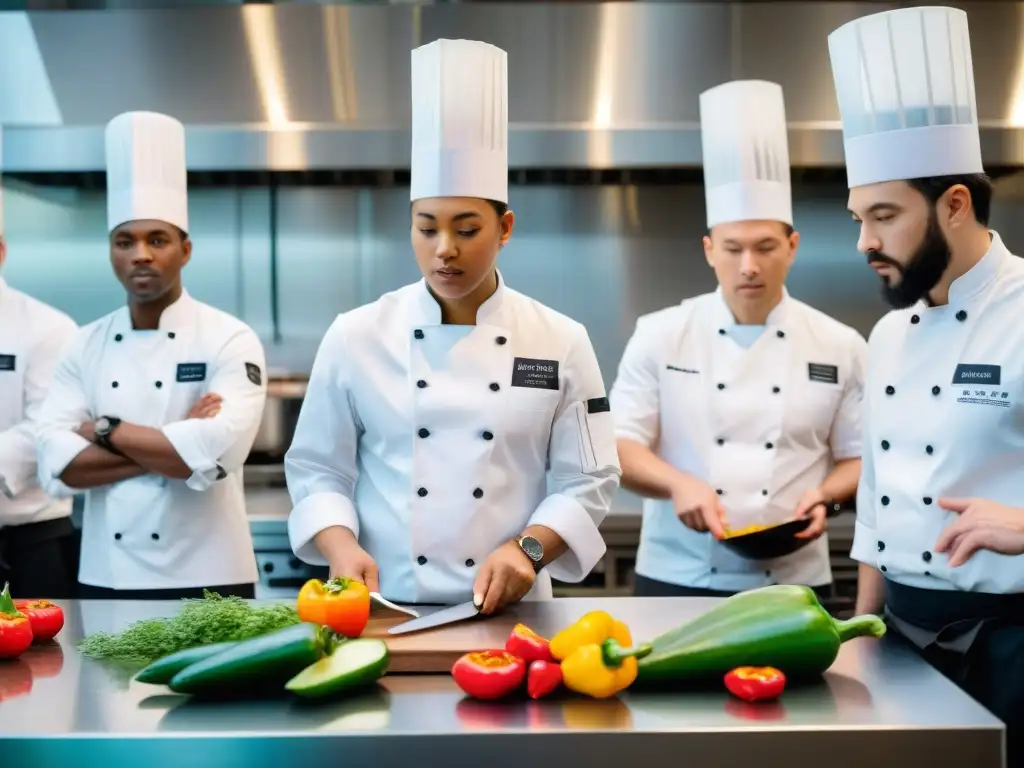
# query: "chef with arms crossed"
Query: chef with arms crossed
{"points": [[37, 537], [739, 407], [153, 408], [418, 463], [944, 396]]}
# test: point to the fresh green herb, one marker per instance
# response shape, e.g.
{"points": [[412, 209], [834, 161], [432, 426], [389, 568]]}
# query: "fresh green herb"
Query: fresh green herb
{"points": [[211, 619]]}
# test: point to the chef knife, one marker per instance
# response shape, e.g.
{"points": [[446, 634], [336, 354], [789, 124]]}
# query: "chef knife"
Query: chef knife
{"points": [[449, 615]]}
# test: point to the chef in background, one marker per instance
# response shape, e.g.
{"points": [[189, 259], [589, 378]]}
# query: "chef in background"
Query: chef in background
{"points": [[418, 464], [155, 407], [739, 407], [37, 538], [944, 396]]}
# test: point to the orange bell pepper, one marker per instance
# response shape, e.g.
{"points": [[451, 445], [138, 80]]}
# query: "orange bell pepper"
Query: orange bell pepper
{"points": [[341, 604]]}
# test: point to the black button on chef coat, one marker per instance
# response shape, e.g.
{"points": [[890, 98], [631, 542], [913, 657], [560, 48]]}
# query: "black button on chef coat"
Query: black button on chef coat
{"points": [[495, 386], [424, 433], [881, 546], [114, 384], [470, 563], [478, 493], [776, 390], [721, 441], [764, 491], [885, 445], [421, 383], [159, 384], [915, 319], [155, 536], [929, 450], [721, 331], [961, 315], [118, 337], [501, 340], [117, 536], [883, 569], [418, 333], [927, 500], [936, 389], [885, 501], [927, 557], [721, 386], [719, 491], [421, 560], [890, 390], [170, 334], [422, 491], [769, 446], [488, 436], [780, 334]]}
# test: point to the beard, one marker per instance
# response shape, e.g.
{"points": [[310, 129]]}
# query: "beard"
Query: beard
{"points": [[921, 273]]}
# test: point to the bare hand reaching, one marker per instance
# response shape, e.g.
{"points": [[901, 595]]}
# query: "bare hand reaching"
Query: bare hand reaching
{"points": [[698, 507], [357, 564]]}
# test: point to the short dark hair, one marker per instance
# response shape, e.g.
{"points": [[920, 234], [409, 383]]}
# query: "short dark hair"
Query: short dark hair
{"points": [[500, 208], [978, 184]]}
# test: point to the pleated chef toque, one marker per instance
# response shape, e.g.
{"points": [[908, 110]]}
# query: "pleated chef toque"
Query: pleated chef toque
{"points": [[905, 85], [746, 153], [146, 173], [459, 121]]}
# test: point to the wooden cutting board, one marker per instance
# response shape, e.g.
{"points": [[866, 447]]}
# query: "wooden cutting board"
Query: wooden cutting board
{"points": [[435, 650]]}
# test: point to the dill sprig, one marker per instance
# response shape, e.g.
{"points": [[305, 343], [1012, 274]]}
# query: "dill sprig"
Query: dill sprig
{"points": [[210, 619]]}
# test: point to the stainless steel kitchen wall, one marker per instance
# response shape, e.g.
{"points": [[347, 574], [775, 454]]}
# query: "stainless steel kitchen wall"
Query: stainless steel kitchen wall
{"points": [[601, 254]]}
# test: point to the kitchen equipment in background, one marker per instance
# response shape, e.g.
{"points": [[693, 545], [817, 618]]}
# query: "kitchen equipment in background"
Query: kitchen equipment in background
{"points": [[439, 618], [280, 414]]}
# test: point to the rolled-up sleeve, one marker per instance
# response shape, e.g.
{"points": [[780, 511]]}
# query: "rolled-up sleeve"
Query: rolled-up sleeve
{"points": [[865, 540], [64, 408], [636, 392], [584, 465], [846, 440], [18, 460], [214, 447], [320, 465]]}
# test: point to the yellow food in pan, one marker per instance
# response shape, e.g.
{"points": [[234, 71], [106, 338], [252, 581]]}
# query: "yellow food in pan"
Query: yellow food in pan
{"points": [[729, 533]]}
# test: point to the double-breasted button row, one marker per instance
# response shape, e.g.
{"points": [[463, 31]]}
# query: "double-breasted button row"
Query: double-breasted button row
{"points": [[961, 316], [116, 384], [425, 433], [478, 493], [418, 334], [119, 337], [422, 560], [153, 536]]}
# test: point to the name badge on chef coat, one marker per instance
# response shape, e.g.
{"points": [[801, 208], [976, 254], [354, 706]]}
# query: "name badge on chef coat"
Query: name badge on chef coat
{"points": [[535, 374], [7, 362], [967, 373], [188, 372], [827, 374]]}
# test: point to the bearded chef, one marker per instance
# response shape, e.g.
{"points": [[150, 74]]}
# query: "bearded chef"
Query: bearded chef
{"points": [[419, 459], [155, 407], [739, 407], [944, 397], [37, 538]]}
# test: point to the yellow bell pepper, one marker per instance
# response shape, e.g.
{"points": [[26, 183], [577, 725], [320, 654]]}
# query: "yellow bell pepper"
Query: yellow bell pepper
{"points": [[595, 655]]}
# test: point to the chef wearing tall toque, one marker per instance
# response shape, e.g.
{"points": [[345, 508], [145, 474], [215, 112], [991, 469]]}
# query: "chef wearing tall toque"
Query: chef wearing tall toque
{"points": [[154, 407], [38, 543], [432, 416], [739, 407], [943, 464]]}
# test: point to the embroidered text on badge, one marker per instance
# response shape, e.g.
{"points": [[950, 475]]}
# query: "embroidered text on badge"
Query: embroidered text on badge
{"points": [[535, 374], [967, 373], [253, 372], [599, 405], [191, 371], [7, 362], [829, 374]]}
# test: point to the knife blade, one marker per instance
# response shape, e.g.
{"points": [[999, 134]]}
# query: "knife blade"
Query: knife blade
{"points": [[449, 615]]}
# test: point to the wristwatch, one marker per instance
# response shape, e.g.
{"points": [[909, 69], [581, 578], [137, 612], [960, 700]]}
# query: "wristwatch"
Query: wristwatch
{"points": [[533, 549], [104, 427]]}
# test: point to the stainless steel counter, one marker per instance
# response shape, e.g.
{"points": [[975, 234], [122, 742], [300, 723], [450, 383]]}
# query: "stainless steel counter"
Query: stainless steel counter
{"points": [[878, 705]]}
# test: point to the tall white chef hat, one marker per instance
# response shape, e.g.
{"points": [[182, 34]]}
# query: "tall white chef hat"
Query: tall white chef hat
{"points": [[905, 85], [459, 121], [146, 171], [746, 153]]}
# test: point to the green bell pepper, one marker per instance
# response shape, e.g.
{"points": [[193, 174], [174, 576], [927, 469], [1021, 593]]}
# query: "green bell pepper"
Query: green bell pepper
{"points": [[781, 626]]}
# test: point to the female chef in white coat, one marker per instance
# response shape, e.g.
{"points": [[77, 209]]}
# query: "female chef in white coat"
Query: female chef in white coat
{"points": [[419, 459], [154, 407]]}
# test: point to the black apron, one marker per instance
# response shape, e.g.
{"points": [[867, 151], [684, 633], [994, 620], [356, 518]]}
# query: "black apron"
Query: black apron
{"points": [[976, 640], [40, 560]]}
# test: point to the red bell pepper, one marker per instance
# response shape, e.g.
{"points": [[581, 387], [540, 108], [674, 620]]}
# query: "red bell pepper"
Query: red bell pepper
{"points": [[542, 678], [528, 645], [15, 629], [46, 618], [489, 674], [755, 683]]}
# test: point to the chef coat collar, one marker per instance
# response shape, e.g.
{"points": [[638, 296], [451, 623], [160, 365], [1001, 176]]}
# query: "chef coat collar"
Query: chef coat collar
{"points": [[724, 318], [174, 318], [966, 287], [430, 310]]}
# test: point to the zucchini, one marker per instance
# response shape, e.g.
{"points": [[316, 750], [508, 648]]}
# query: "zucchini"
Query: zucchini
{"points": [[354, 664], [163, 669], [256, 666]]}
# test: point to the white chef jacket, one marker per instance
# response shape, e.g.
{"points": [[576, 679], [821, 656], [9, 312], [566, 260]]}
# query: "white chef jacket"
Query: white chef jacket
{"points": [[762, 425], [944, 417], [153, 532], [32, 335], [430, 442]]}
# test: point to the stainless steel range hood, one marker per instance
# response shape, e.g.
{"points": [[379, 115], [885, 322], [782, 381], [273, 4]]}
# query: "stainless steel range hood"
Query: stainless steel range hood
{"points": [[301, 87]]}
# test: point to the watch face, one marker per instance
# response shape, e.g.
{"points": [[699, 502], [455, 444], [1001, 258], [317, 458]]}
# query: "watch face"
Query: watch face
{"points": [[102, 425], [532, 548]]}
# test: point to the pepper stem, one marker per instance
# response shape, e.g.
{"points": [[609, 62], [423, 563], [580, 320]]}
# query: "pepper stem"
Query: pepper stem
{"points": [[614, 654], [6, 603], [336, 585], [860, 626]]}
